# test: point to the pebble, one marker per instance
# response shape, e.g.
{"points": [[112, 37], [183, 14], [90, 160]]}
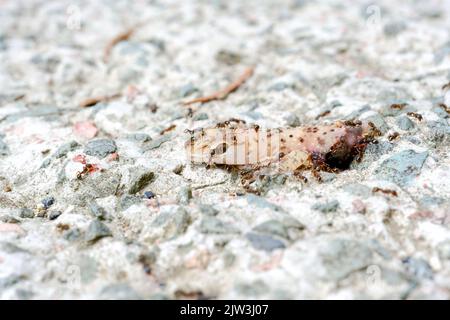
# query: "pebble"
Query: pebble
{"points": [[401, 167], [128, 200], [98, 211], [156, 143], [54, 214], [213, 225], [272, 227], [264, 242], [208, 210], [168, 224], [4, 150], [26, 213], [292, 120], [404, 123], [149, 195], [48, 202], [139, 137], [64, 149], [100, 148], [379, 122], [392, 29], [340, 257], [96, 230], [418, 267], [184, 195], [139, 178], [9, 219], [228, 57], [187, 90], [200, 116], [73, 234], [326, 207]]}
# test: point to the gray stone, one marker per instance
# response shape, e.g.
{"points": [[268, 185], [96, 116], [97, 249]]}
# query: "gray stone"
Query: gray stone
{"points": [[98, 211], [100, 148], [11, 280], [272, 227], [418, 267], [200, 116], [169, 224], [228, 57], [139, 137], [140, 177], [128, 200], [392, 29], [264, 242], [64, 149], [402, 167], [292, 120], [340, 257], [9, 219], [4, 150], [379, 122], [96, 230], [212, 225], [187, 90], [404, 123], [208, 210], [443, 249], [156, 143], [357, 189], [438, 133], [184, 195], [54, 214], [72, 234], [280, 86], [260, 202], [326, 207], [119, 291]]}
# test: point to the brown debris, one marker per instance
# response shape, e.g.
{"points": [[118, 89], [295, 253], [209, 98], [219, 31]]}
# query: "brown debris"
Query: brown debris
{"points": [[385, 191], [398, 106], [123, 36], [446, 86], [222, 94], [170, 128], [444, 107], [90, 102]]}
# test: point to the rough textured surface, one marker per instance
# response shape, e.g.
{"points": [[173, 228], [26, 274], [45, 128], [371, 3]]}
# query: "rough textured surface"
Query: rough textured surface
{"points": [[101, 202]]}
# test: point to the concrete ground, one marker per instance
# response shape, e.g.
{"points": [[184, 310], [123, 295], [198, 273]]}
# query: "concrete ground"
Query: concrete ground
{"points": [[100, 202]]}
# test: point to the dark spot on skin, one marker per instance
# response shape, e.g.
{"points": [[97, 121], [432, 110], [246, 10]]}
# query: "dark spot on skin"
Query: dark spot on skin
{"points": [[324, 133], [332, 130], [290, 136], [280, 155], [300, 139]]}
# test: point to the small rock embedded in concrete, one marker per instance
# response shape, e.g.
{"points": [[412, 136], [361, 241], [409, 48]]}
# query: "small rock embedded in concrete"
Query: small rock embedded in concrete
{"points": [[187, 90], [392, 29], [379, 122], [26, 213], [54, 214], [149, 195], [48, 202], [100, 148], [326, 207], [228, 57], [139, 137], [402, 167], [120, 291], [184, 195], [9, 219], [214, 225], [4, 150], [208, 210], [272, 227], [97, 230], [140, 177], [264, 242], [418, 267], [128, 200], [405, 123], [168, 224], [200, 116], [98, 211], [292, 120], [63, 150]]}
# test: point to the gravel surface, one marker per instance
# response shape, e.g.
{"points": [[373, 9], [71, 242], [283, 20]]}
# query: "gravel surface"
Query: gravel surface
{"points": [[98, 200]]}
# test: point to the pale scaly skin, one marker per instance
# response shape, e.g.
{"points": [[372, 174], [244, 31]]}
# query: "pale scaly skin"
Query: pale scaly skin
{"points": [[321, 147]]}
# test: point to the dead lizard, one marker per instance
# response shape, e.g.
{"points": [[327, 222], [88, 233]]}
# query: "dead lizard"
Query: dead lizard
{"points": [[330, 147]]}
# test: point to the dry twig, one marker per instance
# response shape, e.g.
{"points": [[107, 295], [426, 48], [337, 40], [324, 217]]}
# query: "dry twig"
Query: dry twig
{"points": [[118, 38], [89, 102], [222, 94]]}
